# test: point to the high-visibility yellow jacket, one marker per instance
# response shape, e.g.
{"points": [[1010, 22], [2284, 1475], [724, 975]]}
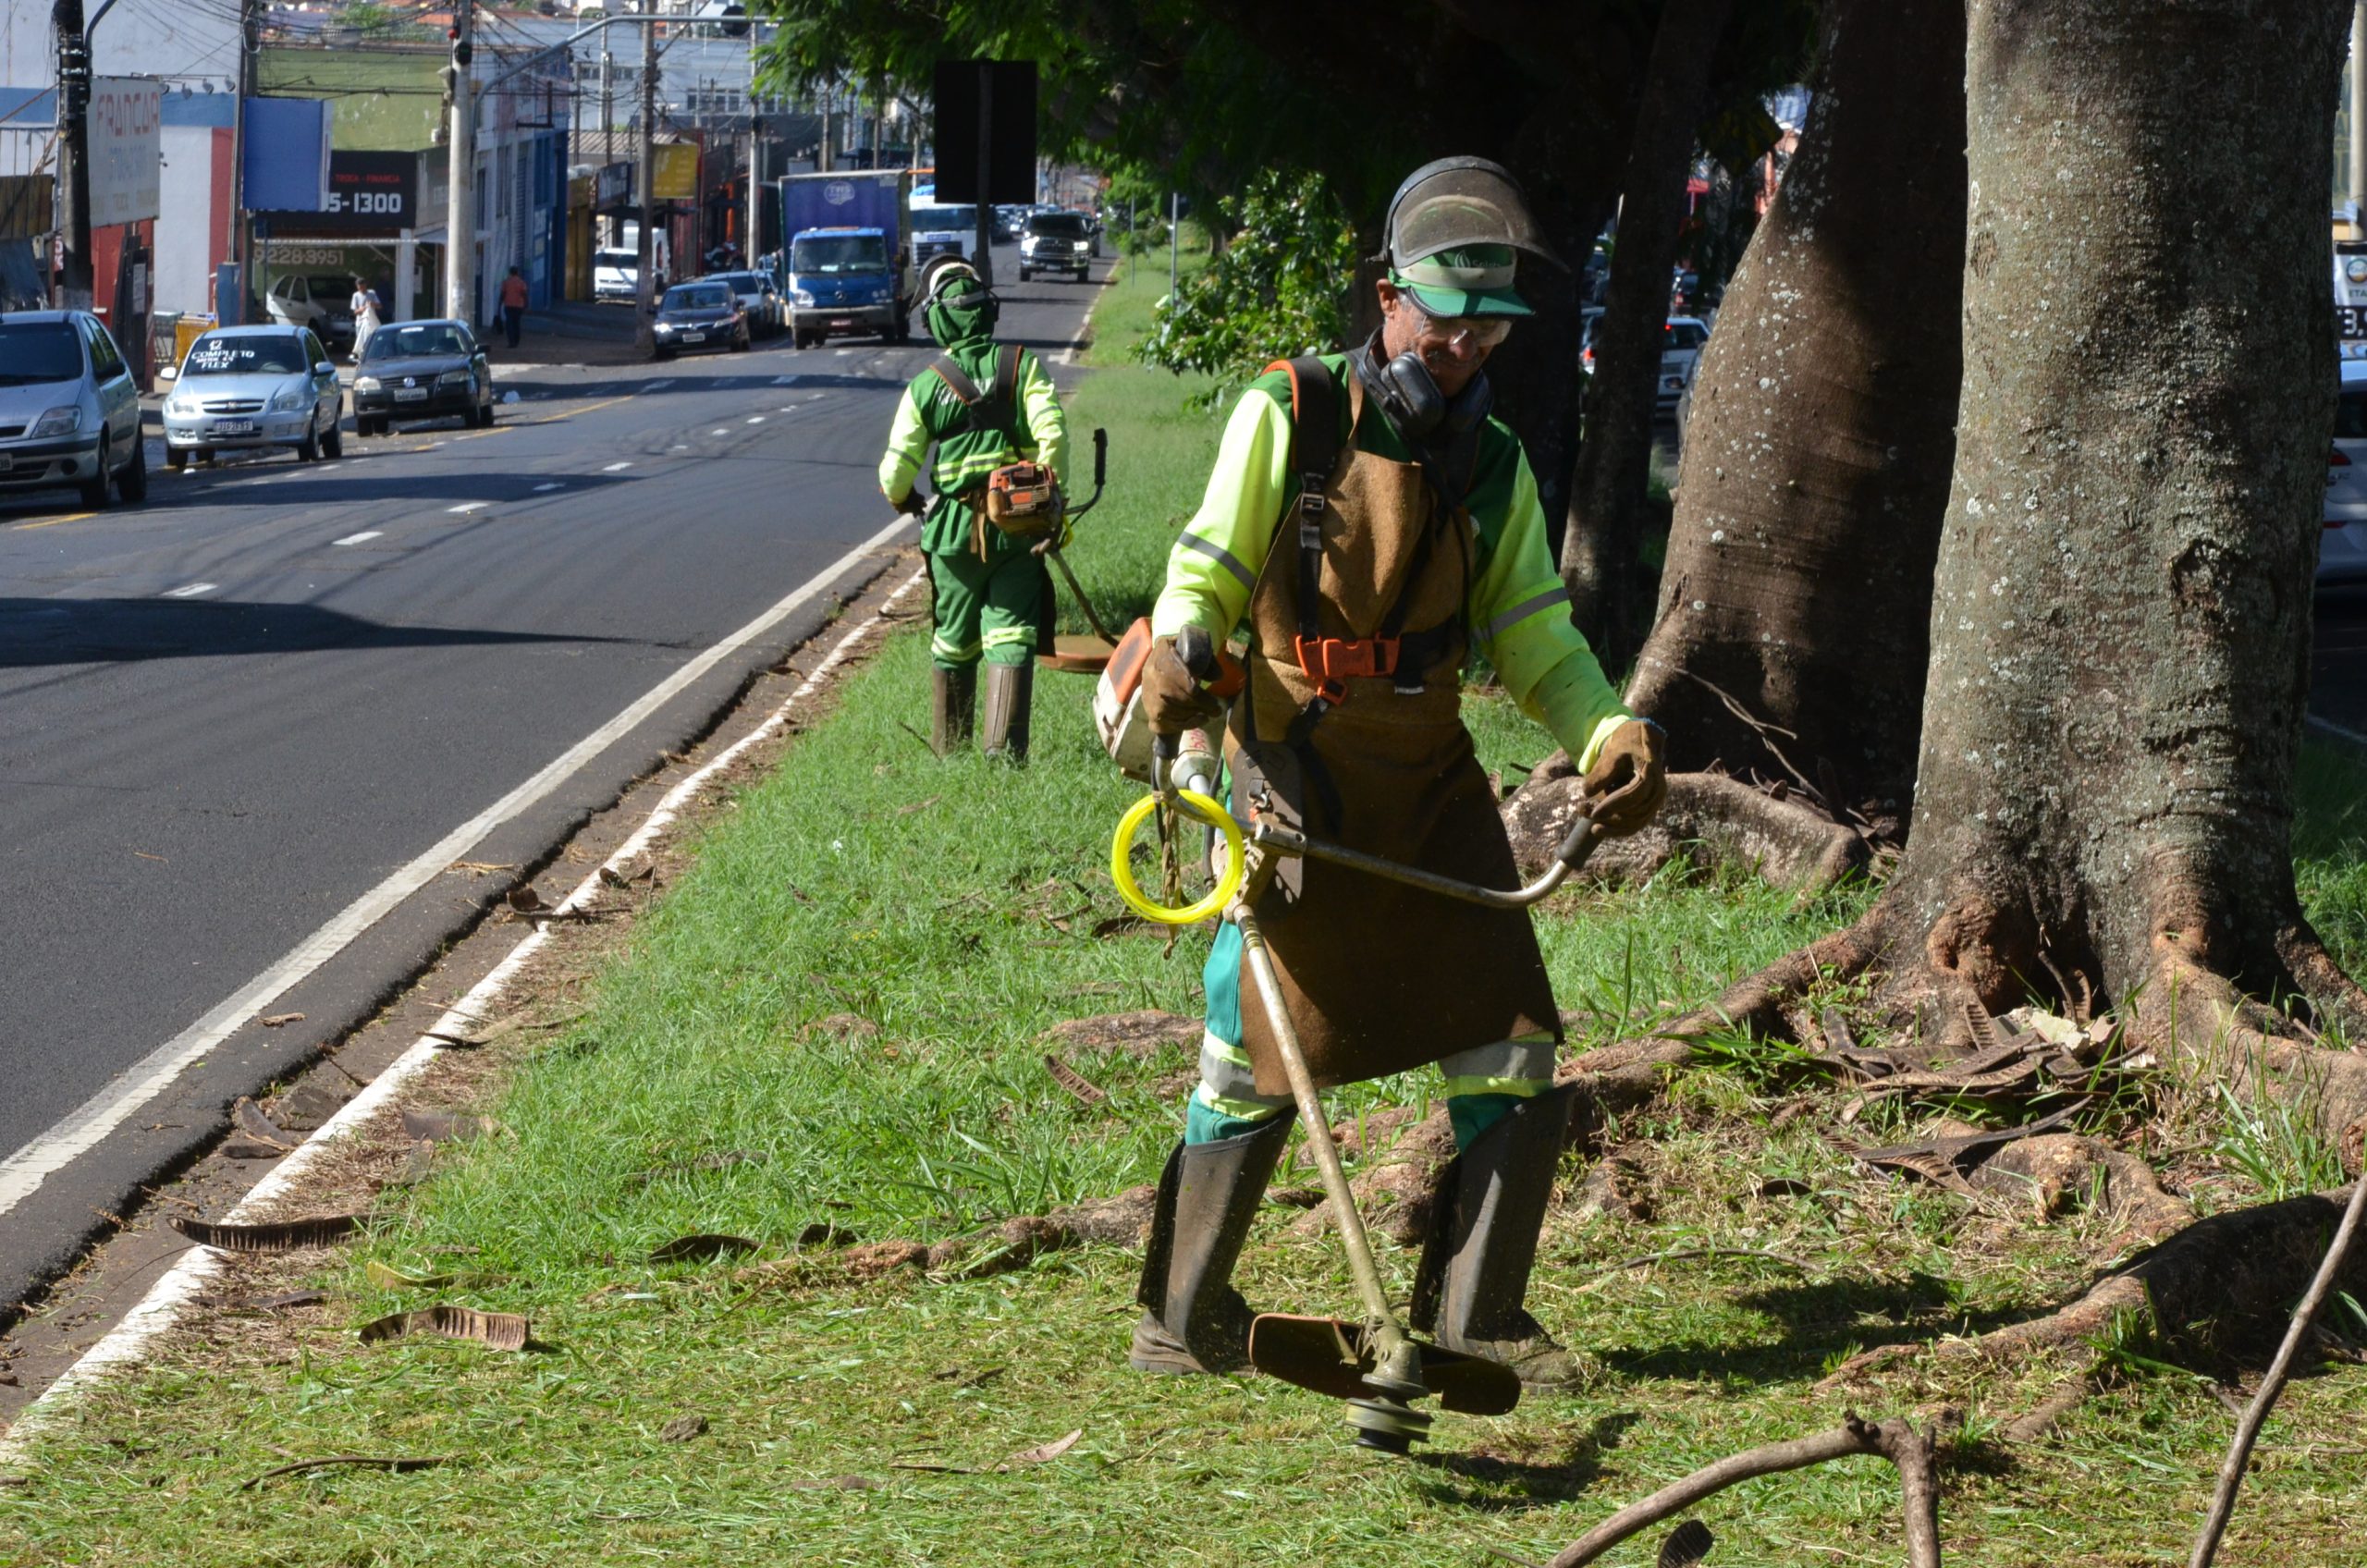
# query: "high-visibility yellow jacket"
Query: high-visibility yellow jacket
{"points": [[1517, 609]]}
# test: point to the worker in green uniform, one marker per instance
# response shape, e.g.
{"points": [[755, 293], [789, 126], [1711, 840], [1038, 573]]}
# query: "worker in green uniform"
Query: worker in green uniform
{"points": [[984, 405], [1369, 525]]}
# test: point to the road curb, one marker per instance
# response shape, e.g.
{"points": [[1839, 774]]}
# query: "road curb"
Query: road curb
{"points": [[129, 1342]]}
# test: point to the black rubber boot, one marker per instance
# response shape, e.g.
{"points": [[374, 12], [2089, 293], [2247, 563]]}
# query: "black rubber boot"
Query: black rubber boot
{"points": [[1011, 694], [1483, 1243], [953, 700], [1195, 1320]]}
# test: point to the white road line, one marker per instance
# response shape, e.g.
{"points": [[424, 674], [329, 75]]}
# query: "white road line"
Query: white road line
{"points": [[127, 1343], [22, 1172], [363, 537], [617, 468], [656, 386], [756, 419], [465, 508], [842, 353], [190, 592], [718, 430], [2330, 727], [324, 468], [784, 381], [554, 484]]}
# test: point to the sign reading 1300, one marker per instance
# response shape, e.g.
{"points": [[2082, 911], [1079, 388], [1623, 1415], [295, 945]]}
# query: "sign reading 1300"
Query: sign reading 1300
{"points": [[389, 204]]}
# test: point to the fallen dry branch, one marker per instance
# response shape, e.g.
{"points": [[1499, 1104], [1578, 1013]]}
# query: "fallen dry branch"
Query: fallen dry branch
{"points": [[1896, 1440], [286, 1236], [502, 1331], [2240, 1451], [1120, 1220], [367, 1461]]}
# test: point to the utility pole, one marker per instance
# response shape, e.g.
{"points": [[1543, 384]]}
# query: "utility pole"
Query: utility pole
{"points": [[644, 321], [73, 151], [242, 240], [822, 152], [460, 209], [986, 232], [1175, 223]]}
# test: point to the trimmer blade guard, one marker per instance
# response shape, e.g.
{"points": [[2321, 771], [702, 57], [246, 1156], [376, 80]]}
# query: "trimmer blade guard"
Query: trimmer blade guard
{"points": [[1331, 1358], [1077, 655]]}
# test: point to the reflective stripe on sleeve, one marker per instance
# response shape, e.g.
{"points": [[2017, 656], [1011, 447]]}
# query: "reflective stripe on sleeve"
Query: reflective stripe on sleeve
{"points": [[1557, 595], [1225, 557]]}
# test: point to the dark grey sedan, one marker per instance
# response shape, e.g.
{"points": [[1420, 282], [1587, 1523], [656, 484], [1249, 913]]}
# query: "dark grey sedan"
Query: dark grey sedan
{"points": [[700, 316], [422, 370]]}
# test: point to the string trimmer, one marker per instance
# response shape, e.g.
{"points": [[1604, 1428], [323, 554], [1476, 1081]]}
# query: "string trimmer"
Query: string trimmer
{"points": [[1375, 1366], [1079, 653]]}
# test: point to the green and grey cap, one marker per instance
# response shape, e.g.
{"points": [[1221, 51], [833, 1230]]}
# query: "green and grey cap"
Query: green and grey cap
{"points": [[1471, 280], [1457, 229]]}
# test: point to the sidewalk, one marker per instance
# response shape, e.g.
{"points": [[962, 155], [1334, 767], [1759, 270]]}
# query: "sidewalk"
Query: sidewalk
{"points": [[569, 332]]}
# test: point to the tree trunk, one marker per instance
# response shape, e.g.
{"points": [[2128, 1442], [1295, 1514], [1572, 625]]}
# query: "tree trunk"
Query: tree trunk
{"points": [[2121, 607], [1816, 462], [1608, 493]]}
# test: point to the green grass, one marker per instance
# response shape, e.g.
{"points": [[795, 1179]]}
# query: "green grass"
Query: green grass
{"points": [[951, 905]]}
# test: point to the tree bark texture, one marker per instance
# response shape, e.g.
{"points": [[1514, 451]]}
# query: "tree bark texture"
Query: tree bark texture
{"points": [[1817, 455], [1609, 490], [2121, 606]]}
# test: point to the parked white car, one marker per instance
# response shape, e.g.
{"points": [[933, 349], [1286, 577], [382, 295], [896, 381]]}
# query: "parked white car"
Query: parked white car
{"points": [[2342, 547], [243, 386], [1680, 353], [1680, 357]]}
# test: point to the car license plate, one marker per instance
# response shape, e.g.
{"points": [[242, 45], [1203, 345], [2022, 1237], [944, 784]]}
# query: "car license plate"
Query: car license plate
{"points": [[234, 427], [695, 337], [411, 394]]}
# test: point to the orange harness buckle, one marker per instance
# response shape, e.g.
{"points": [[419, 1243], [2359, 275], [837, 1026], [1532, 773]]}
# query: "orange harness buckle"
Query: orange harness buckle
{"points": [[1329, 661]]}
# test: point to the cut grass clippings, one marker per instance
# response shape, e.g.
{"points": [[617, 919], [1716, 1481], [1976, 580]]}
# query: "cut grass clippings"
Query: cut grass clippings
{"points": [[833, 1027]]}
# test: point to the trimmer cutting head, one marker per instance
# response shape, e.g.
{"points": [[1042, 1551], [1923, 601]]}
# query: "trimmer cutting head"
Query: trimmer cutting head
{"points": [[1343, 1360]]}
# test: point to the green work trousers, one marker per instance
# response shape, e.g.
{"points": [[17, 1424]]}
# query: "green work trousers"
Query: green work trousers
{"points": [[990, 608]]}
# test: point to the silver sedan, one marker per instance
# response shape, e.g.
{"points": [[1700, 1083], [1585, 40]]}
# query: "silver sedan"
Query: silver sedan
{"points": [[244, 386]]}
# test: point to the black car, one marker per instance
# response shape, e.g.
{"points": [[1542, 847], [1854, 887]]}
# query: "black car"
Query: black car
{"points": [[700, 316], [422, 370]]}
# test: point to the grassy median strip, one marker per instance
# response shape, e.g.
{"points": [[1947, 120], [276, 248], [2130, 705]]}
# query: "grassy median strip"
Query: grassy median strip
{"points": [[837, 1020]]}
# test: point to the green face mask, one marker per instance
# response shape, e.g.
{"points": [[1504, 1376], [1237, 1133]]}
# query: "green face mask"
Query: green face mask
{"points": [[967, 316]]}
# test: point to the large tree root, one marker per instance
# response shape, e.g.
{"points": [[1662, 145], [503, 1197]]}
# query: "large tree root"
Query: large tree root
{"points": [[2216, 1285], [2058, 1171], [1708, 819], [2214, 1031], [1896, 1440]]}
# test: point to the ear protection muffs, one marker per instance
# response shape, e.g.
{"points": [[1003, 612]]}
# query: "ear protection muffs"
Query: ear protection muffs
{"points": [[1411, 399]]}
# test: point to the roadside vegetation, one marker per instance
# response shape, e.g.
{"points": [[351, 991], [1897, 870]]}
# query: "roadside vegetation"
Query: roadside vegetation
{"points": [[831, 1034]]}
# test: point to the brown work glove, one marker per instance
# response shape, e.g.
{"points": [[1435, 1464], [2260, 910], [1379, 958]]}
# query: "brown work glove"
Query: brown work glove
{"points": [[1628, 782], [1172, 701]]}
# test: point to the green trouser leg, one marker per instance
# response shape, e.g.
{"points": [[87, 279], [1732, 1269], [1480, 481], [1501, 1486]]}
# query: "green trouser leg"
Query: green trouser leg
{"points": [[984, 609]]}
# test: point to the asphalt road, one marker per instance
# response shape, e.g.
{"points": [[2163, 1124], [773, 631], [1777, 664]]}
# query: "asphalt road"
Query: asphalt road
{"points": [[228, 714]]}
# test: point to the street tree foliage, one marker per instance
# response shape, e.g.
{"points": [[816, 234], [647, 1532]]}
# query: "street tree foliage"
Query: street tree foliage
{"points": [[1209, 93], [1280, 286]]}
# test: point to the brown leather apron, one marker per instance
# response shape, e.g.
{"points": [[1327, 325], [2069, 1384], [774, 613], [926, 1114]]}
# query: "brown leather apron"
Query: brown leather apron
{"points": [[1379, 977]]}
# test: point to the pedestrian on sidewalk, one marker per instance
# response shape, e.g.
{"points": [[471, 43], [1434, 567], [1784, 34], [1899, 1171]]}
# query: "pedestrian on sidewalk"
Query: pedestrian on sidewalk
{"points": [[983, 406], [513, 305], [365, 307], [1371, 524]]}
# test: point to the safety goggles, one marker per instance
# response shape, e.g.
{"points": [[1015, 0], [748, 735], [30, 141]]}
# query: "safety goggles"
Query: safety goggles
{"points": [[1464, 332]]}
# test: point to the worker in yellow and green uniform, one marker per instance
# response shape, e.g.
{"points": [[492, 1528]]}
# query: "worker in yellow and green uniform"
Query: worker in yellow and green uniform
{"points": [[983, 405], [1369, 525]]}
